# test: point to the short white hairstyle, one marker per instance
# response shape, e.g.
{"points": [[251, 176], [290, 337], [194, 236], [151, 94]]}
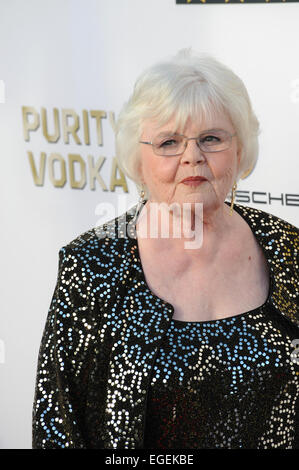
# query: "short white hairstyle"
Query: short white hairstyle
{"points": [[187, 85]]}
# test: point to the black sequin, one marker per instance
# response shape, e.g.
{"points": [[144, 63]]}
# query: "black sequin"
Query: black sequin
{"points": [[105, 328], [228, 383]]}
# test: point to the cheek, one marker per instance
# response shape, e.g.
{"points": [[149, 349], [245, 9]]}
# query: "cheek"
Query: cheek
{"points": [[223, 167], [147, 167], [157, 170]]}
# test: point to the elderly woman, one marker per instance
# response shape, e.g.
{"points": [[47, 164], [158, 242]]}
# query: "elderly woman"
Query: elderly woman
{"points": [[151, 342]]}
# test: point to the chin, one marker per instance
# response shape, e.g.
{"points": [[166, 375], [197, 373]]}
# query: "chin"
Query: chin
{"points": [[195, 198]]}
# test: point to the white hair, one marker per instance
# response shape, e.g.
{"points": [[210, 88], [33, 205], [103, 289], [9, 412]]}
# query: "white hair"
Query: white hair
{"points": [[187, 85]]}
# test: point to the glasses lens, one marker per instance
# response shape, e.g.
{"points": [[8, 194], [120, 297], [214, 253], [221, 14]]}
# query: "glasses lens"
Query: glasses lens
{"points": [[214, 141], [169, 145]]}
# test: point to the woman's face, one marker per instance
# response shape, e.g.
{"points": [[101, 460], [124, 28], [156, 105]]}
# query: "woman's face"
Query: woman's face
{"points": [[163, 175]]}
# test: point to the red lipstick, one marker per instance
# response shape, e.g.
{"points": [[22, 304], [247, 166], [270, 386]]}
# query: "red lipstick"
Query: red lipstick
{"points": [[193, 180]]}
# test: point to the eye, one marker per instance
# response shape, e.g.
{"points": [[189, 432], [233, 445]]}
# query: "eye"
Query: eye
{"points": [[210, 138], [169, 142]]}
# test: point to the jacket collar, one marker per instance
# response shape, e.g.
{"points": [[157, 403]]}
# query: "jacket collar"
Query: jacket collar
{"points": [[278, 240], [136, 320]]}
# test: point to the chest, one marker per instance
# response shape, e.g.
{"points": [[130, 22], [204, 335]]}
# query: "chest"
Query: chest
{"points": [[234, 283]]}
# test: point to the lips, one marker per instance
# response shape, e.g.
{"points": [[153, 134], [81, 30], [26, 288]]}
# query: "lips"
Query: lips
{"points": [[193, 178]]}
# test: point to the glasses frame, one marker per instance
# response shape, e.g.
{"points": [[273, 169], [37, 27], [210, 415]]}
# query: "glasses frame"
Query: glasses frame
{"points": [[186, 140]]}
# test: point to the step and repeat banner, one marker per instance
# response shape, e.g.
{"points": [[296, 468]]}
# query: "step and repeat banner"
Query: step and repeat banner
{"points": [[66, 68]]}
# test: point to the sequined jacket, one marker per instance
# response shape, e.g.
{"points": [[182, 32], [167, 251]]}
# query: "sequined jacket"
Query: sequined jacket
{"points": [[104, 327]]}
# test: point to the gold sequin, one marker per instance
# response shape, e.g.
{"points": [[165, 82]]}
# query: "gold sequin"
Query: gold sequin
{"points": [[227, 383], [105, 327]]}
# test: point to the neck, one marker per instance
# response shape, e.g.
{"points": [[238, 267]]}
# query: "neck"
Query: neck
{"points": [[192, 231]]}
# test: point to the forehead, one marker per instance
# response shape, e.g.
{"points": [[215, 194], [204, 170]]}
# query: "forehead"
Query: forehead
{"points": [[190, 126]]}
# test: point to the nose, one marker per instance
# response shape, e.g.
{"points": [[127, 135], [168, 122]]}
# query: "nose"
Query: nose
{"points": [[193, 154]]}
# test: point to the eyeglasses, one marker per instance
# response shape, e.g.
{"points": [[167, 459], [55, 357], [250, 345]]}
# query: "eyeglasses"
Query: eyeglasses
{"points": [[215, 140]]}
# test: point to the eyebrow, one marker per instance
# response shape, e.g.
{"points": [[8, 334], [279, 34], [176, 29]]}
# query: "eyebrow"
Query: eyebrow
{"points": [[213, 130], [169, 133]]}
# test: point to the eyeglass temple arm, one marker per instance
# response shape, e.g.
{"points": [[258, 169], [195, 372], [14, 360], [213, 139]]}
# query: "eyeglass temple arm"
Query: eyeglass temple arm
{"points": [[190, 138]]}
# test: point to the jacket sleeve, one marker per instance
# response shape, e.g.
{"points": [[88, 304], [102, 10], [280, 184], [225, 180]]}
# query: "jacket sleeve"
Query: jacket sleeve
{"points": [[61, 380]]}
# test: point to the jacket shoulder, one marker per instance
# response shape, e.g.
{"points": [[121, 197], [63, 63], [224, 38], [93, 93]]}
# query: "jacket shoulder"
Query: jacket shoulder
{"points": [[101, 250], [268, 221], [280, 242], [99, 236]]}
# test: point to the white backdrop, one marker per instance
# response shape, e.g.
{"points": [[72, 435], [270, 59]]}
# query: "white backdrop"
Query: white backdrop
{"points": [[79, 56]]}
